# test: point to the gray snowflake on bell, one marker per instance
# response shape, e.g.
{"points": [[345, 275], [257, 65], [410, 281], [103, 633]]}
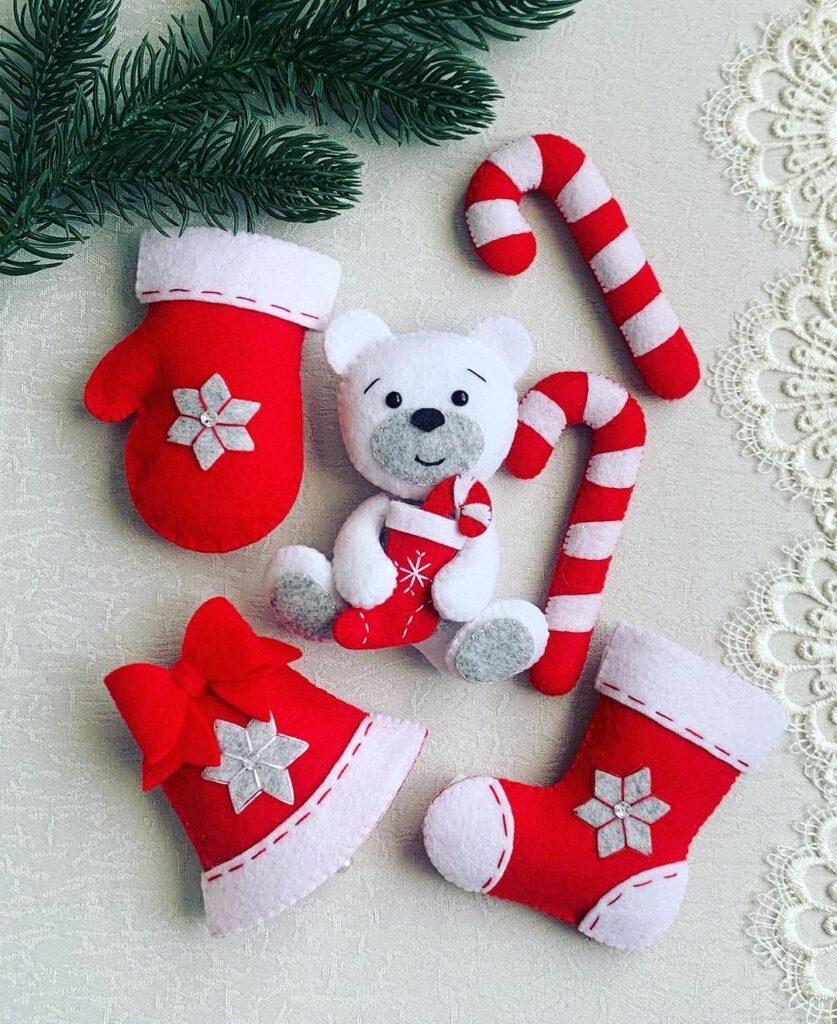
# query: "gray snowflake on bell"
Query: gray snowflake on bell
{"points": [[254, 760], [622, 812]]}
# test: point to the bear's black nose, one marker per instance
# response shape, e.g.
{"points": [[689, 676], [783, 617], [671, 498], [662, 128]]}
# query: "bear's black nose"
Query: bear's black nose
{"points": [[427, 419]]}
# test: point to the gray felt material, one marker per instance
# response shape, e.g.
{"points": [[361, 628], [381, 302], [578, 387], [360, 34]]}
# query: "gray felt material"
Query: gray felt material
{"points": [[422, 457], [304, 605], [495, 651]]}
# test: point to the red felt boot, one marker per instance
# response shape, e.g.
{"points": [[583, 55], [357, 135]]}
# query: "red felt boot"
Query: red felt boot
{"points": [[605, 848], [214, 456], [276, 781], [420, 542]]}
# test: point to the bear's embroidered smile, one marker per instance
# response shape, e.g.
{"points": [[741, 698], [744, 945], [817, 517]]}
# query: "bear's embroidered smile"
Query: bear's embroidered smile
{"points": [[408, 451]]}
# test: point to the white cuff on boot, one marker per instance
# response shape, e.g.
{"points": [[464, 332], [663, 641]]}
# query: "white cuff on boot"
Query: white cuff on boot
{"points": [[697, 699], [249, 271]]}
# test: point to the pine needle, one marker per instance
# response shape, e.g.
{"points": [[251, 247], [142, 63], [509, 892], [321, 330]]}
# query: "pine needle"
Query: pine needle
{"points": [[169, 132]]}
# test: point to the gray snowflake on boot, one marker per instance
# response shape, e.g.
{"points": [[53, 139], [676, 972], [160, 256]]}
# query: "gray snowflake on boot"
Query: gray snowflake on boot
{"points": [[622, 811]]}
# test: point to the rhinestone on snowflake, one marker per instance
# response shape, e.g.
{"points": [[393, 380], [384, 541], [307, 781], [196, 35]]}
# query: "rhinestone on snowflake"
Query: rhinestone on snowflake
{"points": [[212, 421], [622, 812], [413, 573], [254, 760]]}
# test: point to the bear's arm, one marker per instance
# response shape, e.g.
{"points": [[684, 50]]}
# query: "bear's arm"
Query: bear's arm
{"points": [[466, 584], [363, 574]]}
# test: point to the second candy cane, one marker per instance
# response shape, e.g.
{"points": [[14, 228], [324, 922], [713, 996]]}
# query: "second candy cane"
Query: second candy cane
{"points": [[595, 522]]}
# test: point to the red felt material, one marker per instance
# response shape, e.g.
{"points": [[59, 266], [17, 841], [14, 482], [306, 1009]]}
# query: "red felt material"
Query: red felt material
{"points": [[510, 255], [671, 370], [563, 660], [408, 616], [561, 160], [228, 672], [554, 865], [299, 709], [660, 363], [181, 344]]}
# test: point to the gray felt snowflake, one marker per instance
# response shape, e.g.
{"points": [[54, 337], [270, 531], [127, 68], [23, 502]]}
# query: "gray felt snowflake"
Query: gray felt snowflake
{"points": [[254, 760], [212, 421], [622, 811]]}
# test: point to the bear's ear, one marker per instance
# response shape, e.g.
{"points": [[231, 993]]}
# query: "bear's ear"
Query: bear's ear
{"points": [[509, 339], [348, 334]]}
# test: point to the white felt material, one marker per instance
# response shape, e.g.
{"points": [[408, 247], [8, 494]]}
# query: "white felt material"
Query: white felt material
{"points": [[249, 271], [530, 616], [605, 400], [491, 219], [639, 910], [363, 573], [573, 613], [618, 261], [585, 192], [466, 584], [509, 339], [468, 831], [592, 540], [651, 326], [695, 698], [420, 523], [321, 835], [544, 416], [522, 161], [348, 334], [296, 558], [615, 469], [426, 369]]}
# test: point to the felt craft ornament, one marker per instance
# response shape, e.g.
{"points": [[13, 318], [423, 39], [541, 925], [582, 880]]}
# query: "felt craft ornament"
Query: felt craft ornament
{"points": [[604, 849], [428, 418], [276, 781], [617, 427], [214, 455], [419, 542], [562, 171]]}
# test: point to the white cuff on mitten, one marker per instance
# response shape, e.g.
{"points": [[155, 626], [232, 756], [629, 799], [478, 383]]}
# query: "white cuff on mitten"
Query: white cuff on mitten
{"points": [[249, 271]]}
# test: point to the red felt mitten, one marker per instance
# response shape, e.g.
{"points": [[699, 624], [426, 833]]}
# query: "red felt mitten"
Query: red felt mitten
{"points": [[605, 848], [214, 456], [276, 781], [420, 541]]}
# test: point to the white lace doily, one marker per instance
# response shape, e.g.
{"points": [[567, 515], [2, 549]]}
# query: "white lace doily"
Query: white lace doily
{"points": [[779, 381], [786, 641], [774, 123], [795, 922]]}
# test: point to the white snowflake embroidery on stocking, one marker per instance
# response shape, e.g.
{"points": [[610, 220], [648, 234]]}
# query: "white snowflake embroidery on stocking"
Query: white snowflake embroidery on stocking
{"points": [[622, 812], [212, 421], [254, 760], [413, 572]]}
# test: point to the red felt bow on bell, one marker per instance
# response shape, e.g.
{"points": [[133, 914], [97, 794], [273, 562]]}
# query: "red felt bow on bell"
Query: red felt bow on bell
{"points": [[220, 653]]}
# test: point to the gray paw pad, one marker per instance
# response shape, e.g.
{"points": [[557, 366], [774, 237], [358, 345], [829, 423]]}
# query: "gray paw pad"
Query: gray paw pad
{"points": [[303, 605], [495, 651]]}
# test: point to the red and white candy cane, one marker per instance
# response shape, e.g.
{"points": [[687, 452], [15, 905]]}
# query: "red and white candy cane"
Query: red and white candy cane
{"points": [[595, 522], [558, 168]]}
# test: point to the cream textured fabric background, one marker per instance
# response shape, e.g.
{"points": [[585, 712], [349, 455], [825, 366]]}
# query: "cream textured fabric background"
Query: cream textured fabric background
{"points": [[100, 915]]}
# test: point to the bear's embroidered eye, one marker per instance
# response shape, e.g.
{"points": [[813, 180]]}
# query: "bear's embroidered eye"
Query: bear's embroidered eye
{"points": [[459, 398], [393, 399]]}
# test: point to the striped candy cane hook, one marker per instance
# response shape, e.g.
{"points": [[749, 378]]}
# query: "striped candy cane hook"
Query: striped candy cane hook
{"points": [[618, 438], [558, 168]]}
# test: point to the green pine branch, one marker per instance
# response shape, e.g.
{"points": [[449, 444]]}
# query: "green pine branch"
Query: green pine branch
{"points": [[169, 132]]}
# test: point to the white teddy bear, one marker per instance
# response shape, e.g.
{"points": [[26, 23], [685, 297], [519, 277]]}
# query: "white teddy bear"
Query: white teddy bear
{"points": [[428, 418]]}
